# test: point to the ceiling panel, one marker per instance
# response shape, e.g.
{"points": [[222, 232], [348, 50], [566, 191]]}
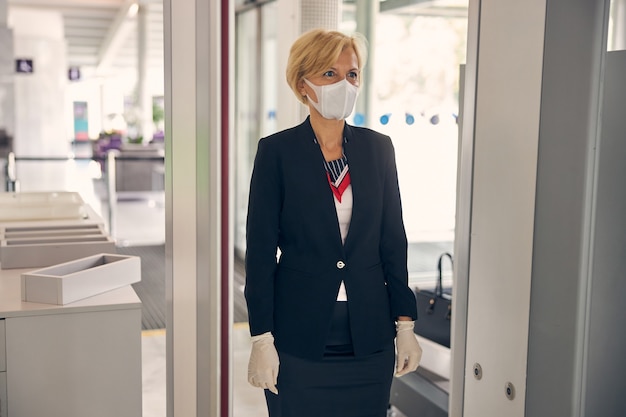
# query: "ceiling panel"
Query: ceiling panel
{"points": [[100, 35]]}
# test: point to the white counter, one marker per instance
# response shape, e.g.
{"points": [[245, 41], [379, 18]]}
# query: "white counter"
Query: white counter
{"points": [[74, 360]]}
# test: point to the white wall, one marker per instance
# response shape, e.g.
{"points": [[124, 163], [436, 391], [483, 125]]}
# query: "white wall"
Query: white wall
{"points": [[105, 100], [7, 66], [40, 128]]}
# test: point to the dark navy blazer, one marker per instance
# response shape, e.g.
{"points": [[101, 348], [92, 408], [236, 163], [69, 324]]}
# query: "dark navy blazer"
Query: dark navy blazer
{"points": [[291, 207]]}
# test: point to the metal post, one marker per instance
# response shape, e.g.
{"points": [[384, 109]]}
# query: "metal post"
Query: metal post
{"points": [[111, 188], [11, 182]]}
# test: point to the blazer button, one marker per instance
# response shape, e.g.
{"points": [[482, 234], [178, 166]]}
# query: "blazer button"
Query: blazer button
{"points": [[340, 264]]}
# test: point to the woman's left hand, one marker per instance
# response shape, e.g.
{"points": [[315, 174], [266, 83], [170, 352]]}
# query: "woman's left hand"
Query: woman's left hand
{"points": [[409, 352]]}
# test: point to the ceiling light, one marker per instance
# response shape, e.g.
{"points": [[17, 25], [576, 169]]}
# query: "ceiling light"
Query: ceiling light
{"points": [[132, 10]]}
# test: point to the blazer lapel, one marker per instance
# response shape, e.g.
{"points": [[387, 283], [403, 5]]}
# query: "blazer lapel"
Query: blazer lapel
{"points": [[311, 168], [359, 172]]}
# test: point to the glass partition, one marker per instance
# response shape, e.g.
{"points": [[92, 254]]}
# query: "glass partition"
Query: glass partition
{"points": [[416, 53], [255, 104]]}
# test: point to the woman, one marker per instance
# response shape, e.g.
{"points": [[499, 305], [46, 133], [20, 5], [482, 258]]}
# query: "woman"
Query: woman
{"points": [[324, 313]]}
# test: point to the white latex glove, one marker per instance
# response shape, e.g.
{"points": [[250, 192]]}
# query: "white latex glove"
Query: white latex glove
{"points": [[409, 352], [263, 364]]}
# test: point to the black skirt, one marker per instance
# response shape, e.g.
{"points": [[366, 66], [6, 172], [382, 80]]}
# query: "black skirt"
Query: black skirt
{"points": [[339, 385]]}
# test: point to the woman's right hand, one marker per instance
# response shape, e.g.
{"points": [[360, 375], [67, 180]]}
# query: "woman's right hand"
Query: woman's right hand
{"points": [[263, 364]]}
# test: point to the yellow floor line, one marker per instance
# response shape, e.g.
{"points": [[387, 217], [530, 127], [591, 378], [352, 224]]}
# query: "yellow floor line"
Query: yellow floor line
{"points": [[153, 332], [240, 325]]}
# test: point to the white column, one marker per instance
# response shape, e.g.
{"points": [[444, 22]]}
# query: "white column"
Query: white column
{"points": [[40, 118], [288, 111], [297, 17], [7, 68], [144, 97], [367, 12], [505, 166], [194, 235], [532, 123]]}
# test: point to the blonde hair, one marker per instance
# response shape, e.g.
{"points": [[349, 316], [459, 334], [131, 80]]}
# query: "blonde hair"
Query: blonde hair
{"points": [[317, 50]]}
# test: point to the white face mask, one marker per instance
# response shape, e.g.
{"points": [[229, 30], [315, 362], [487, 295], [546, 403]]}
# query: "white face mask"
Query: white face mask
{"points": [[334, 101]]}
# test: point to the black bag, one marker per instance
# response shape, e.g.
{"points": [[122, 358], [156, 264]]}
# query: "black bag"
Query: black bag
{"points": [[434, 310]]}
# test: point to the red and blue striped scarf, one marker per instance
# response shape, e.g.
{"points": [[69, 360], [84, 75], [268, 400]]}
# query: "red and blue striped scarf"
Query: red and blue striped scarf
{"points": [[338, 175]]}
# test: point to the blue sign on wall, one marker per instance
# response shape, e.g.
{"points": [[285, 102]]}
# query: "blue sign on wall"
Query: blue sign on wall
{"points": [[24, 66]]}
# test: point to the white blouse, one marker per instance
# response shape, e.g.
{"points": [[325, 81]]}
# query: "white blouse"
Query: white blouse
{"points": [[344, 215]]}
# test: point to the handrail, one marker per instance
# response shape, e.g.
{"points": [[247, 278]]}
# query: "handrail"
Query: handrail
{"points": [[111, 181], [85, 158], [109, 160]]}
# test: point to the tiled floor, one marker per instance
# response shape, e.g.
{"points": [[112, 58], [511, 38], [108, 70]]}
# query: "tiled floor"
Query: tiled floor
{"points": [[153, 370], [247, 400]]}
